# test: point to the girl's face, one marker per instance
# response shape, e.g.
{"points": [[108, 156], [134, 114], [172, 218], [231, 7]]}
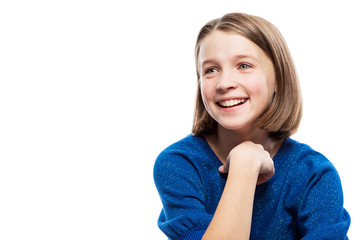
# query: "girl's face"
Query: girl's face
{"points": [[237, 79]]}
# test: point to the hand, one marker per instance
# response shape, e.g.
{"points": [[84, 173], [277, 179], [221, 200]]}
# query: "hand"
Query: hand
{"points": [[249, 155]]}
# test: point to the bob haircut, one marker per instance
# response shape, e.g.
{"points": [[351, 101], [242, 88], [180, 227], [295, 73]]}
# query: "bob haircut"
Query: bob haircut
{"points": [[282, 117]]}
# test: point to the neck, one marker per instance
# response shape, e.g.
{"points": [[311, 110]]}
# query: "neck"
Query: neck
{"points": [[224, 140]]}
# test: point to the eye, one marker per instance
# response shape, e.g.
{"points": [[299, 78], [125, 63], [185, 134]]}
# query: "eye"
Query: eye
{"points": [[211, 70], [244, 66]]}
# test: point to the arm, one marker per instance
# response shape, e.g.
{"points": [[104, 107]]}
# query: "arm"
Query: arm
{"points": [[181, 190], [247, 165], [321, 213]]}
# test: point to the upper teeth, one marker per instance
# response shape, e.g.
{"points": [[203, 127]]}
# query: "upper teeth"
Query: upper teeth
{"points": [[233, 102]]}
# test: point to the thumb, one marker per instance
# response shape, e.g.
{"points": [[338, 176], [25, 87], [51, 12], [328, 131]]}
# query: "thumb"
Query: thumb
{"points": [[223, 169]]}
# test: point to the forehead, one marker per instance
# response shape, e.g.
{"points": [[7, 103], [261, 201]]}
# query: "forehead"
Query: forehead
{"points": [[221, 45]]}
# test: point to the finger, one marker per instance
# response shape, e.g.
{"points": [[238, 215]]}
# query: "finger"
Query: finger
{"points": [[222, 169], [265, 177]]}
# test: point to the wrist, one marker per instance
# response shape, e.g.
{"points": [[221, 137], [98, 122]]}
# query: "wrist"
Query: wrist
{"points": [[246, 166]]}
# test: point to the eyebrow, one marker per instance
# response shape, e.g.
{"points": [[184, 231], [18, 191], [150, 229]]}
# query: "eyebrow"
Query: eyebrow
{"points": [[237, 57], [241, 56]]}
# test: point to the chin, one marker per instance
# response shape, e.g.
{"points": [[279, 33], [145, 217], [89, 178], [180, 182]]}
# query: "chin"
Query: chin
{"points": [[234, 127]]}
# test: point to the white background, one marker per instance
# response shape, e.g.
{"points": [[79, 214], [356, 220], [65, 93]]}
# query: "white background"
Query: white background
{"points": [[92, 91]]}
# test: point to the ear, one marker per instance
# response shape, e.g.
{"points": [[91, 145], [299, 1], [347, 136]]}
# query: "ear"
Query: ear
{"points": [[275, 87]]}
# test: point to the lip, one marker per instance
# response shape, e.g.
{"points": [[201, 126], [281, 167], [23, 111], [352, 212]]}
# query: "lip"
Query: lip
{"points": [[230, 98], [232, 108]]}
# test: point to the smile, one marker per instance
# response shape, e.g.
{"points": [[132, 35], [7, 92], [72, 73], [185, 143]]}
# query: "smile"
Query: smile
{"points": [[232, 102]]}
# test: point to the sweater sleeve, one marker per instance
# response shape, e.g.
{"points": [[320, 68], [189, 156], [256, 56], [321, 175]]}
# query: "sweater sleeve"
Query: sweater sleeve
{"points": [[181, 190], [321, 214]]}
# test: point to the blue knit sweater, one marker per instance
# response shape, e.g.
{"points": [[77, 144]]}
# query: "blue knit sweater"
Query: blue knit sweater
{"points": [[303, 200]]}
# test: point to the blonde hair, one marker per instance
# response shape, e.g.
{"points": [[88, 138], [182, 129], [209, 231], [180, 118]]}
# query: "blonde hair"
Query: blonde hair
{"points": [[282, 117]]}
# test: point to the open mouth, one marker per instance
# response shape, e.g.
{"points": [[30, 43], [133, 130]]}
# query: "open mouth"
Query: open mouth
{"points": [[232, 103]]}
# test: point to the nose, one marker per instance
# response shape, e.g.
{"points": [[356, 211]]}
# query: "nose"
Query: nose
{"points": [[226, 81]]}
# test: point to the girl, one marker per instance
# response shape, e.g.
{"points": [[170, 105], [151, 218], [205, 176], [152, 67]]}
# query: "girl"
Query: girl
{"points": [[239, 175]]}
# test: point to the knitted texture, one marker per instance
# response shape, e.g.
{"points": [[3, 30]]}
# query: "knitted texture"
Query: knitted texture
{"points": [[303, 200]]}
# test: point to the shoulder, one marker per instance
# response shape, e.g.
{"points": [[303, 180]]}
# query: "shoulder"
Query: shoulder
{"points": [[187, 149], [186, 144], [306, 158], [310, 171], [185, 157], [319, 197]]}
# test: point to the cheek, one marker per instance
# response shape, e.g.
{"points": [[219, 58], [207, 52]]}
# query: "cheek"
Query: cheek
{"points": [[261, 90], [205, 91], [206, 95], [258, 88]]}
